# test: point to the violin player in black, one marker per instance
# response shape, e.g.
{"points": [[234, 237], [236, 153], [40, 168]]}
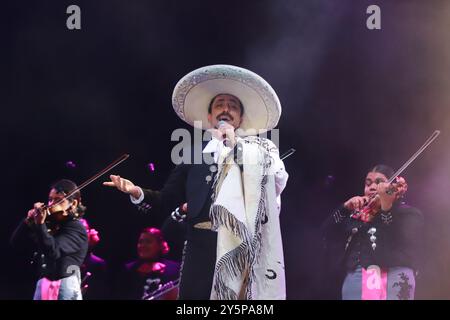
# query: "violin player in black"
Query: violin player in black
{"points": [[376, 240], [60, 242]]}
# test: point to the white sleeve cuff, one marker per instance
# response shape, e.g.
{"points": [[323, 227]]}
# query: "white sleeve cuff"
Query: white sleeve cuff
{"points": [[281, 176], [139, 200]]}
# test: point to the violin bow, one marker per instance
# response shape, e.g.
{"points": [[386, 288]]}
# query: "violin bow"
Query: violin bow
{"points": [[115, 163], [415, 155], [287, 153]]}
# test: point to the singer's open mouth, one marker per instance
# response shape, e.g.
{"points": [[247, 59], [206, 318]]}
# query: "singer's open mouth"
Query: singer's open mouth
{"points": [[224, 118]]}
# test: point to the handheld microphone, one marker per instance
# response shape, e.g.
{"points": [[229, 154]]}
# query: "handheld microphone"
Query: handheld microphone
{"points": [[225, 140], [220, 125], [237, 151]]}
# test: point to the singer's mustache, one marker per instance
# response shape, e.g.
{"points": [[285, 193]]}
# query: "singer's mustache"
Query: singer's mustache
{"points": [[225, 114]]}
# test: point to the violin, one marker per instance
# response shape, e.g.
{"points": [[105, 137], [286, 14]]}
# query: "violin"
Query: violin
{"points": [[396, 190], [57, 211]]}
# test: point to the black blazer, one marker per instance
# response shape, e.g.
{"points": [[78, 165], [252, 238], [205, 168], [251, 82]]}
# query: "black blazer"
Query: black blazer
{"points": [[54, 254], [186, 183]]}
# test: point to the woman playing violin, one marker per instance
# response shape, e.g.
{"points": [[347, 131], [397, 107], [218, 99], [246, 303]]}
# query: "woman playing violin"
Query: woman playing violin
{"points": [[60, 241], [376, 238]]}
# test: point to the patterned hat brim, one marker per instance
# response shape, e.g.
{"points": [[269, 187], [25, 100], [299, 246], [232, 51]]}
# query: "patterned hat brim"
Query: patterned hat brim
{"points": [[194, 92]]}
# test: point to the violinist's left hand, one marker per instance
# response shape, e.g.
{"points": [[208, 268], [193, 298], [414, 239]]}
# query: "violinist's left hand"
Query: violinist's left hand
{"points": [[386, 199], [388, 193]]}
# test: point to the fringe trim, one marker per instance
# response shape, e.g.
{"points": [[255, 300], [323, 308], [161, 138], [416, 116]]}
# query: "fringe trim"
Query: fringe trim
{"points": [[220, 216], [260, 215], [257, 239], [229, 267], [234, 263]]}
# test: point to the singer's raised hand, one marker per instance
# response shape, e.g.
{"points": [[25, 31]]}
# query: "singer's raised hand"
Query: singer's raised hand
{"points": [[123, 185], [225, 132]]}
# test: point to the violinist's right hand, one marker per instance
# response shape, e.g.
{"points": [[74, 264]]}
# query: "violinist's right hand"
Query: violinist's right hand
{"points": [[124, 185], [30, 216], [36, 215], [356, 203]]}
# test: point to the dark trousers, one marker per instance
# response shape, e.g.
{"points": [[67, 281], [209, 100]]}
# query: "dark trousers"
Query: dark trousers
{"points": [[198, 265]]}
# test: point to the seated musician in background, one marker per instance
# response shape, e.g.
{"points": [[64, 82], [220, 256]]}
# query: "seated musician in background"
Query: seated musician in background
{"points": [[150, 271], [60, 241], [94, 270], [377, 238]]}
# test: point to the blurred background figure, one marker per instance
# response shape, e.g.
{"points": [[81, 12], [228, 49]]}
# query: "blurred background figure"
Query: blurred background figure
{"points": [[142, 277], [94, 270]]}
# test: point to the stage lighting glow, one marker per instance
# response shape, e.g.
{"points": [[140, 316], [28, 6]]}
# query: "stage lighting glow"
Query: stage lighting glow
{"points": [[151, 167], [71, 165]]}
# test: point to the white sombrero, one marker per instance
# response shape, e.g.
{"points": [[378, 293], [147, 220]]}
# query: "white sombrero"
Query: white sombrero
{"points": [[194, 92]]}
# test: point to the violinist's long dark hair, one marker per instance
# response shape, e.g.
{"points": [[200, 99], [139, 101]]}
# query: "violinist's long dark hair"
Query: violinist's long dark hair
{"points": [[66, 186]]}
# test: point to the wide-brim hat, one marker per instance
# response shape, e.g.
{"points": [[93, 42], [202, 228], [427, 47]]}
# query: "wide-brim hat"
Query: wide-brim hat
{"points": [[194, 92]]}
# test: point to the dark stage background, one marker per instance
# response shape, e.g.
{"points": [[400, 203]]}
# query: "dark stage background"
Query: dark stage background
{"points": [[351, 98]]}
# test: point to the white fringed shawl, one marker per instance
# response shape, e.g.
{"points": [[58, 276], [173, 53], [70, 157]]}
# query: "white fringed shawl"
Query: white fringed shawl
{"points": [[245, 213]]}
